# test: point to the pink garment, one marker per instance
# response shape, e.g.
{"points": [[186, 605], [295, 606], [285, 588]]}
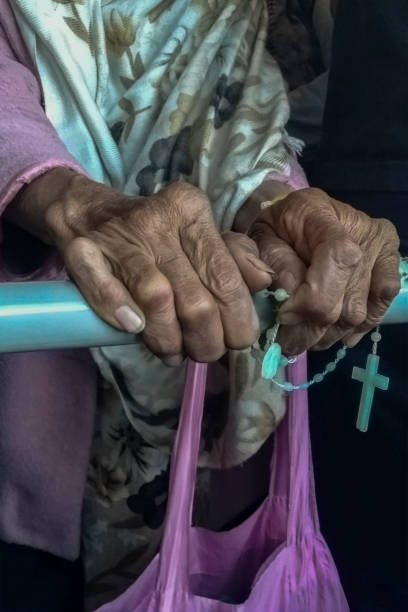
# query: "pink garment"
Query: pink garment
{"points": [[275, 561], [29, 145], [47, 400]]}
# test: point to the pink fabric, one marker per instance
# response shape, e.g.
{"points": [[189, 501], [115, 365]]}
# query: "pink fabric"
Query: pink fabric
{"points": [[47, 400], [47, 404], [29, 144], [296, 179], [276, 561]]}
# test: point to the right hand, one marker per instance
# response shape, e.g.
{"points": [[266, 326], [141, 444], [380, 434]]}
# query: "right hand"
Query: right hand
{"points": [[158, 264]]}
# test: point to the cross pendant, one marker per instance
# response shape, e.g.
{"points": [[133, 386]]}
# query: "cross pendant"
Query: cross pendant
{"points": [[371, 381]]}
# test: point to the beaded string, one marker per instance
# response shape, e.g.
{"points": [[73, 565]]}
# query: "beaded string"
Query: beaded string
{"points": [[274, 359], [369, 376]]}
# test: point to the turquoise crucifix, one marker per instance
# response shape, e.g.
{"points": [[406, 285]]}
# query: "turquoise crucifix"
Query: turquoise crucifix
{"points": [[371, 381]]}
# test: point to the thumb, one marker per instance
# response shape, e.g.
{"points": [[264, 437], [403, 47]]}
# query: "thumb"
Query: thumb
{"points": [[289, 269], [256, 274], [105, 293]]}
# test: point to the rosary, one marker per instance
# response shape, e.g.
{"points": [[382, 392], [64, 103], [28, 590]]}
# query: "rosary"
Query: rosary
{"points": [[368, 376]]}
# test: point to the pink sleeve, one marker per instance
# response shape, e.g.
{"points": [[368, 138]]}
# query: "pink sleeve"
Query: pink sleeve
{"points": [[296, 178], [29, 145]]}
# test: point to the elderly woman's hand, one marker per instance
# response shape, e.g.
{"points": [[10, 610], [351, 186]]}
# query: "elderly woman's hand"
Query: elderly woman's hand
{"points": [[339, 266], [156, 264]]}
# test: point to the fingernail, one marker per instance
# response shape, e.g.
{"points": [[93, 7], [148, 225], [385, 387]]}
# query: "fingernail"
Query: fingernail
{"points": [[173, 360], [261, 265], [129, 320], [289, 318]]}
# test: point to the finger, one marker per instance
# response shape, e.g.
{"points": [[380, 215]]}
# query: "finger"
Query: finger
{"points": [[152, 291], [105, 293], [354, 310], [334, 334], [367, 301], [219, 273], [351, 340], [320, 298], [278, 254], [197, 311], [385, 285], [295, 339], [256, 274]]}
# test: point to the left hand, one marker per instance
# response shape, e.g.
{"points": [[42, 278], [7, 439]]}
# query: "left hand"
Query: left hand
{"points": [[339, 266]]}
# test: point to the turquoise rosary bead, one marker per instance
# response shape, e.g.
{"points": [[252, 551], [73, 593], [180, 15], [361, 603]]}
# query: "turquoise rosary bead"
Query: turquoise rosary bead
{"points": [[280, 295], [271, 361], [341, 353], [271, 364], [274, 359]]}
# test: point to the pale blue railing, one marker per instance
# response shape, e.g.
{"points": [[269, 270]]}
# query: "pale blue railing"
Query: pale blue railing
{"points": [[45, 315]]}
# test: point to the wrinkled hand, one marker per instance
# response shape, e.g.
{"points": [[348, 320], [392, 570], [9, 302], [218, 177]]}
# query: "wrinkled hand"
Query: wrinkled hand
{"points": [[159, 264], [339, 266]]}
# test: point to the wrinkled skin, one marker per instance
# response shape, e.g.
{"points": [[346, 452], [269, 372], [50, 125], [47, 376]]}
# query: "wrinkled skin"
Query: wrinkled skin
{"points": [[158, 266], [339, 266], [163, 257]]}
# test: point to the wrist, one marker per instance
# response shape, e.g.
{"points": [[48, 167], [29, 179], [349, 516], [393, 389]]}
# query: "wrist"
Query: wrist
{"points": [[30, 207], [268, 192]]}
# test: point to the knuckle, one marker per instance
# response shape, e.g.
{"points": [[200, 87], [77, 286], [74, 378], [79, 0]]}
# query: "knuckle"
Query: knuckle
{"points": [[384, 294], [345, 252], [157, 299], [199, 311]]}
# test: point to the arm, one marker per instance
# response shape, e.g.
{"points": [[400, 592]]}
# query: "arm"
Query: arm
{"points": [[29, 145]]}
